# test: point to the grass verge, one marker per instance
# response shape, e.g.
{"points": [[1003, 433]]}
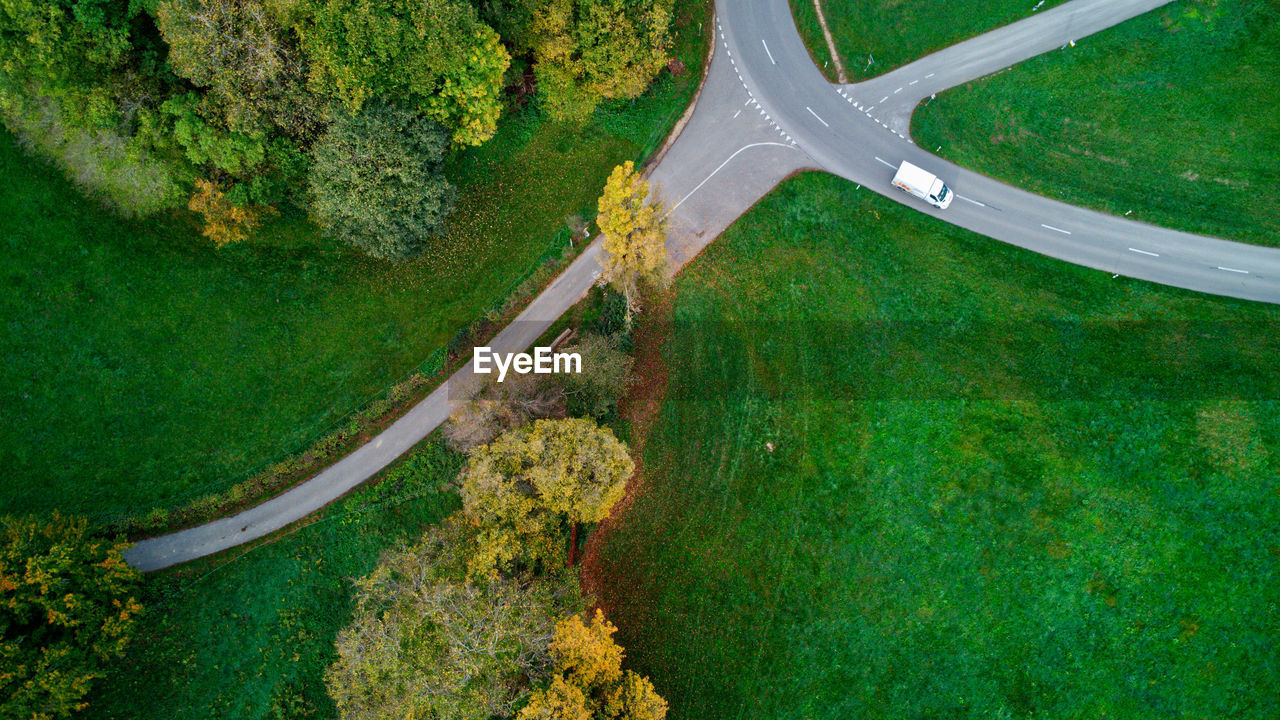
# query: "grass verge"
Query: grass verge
{"points": [[146, 371], [875, 36], [1170, 116], [906, 471], [248, 634]]}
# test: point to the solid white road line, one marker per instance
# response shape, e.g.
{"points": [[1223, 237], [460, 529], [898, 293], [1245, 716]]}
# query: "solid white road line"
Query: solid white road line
{"points": [[975, 202], [1227, 269], [735, 154], [766, 50], [885, 162], [1050, 227], [1144, 252], [811, 112]]}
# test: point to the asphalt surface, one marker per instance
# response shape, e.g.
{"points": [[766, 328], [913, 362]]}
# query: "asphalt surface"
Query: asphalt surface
{"points": [[765, 112], [860, 132]]}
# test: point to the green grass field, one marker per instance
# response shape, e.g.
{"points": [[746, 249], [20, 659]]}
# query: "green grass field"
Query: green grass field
{"points": [[999, 485], [896, 33], [234, 635], [1169, 116], [145, 369]]}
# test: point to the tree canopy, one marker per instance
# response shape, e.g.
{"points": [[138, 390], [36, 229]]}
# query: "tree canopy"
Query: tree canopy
{"points": [[588, 682], [433, 55], [428, 641], [148, 103], [377, 180], [67, 607], [635, 234], [522, 488], [592, 50], [243, 53]]}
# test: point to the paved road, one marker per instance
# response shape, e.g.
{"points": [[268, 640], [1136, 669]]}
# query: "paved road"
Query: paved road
{"points": [[860, 132], [764, 113]]}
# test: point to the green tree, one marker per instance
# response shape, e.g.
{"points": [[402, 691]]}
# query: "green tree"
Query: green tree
{"points": [[521, 490], [433, 55], [67, 607], [58, 43], [635, 235], [426, 641], [606, 373], [591, 50], [588, 682], [246, 57], [377, 180]]}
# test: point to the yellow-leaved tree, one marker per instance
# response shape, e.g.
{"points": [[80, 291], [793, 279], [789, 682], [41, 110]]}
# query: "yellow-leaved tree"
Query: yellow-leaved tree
{"points": [[635, 235], [588, 682], [521, 489], [224, 221]]}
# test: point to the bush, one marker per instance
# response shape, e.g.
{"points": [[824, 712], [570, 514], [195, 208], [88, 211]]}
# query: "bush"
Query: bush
{"points": [[377, 181]]}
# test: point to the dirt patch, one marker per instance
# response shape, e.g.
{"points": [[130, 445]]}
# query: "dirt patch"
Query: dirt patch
{"points": [[831, 44], [640, 408]]}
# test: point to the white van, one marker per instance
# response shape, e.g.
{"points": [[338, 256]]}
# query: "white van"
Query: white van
{"points": [[924, 185]]}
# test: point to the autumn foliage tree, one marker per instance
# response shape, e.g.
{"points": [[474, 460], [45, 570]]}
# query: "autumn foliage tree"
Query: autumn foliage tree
{"points": [[634, 235], [522, 489], [432, 55], [588, 682], [224, 221], [430, 640], [67, 607], [592, 50]]}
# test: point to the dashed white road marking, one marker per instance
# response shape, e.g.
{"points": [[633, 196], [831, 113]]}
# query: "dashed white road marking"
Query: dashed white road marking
{"points": [[1050, 227], [735, 115], [975, 202], [1227, 269], [895, 92], [1144, 252], [913, 82], [811, 112], [926, 77], [766, 50], [886, 97], [886, 162]]}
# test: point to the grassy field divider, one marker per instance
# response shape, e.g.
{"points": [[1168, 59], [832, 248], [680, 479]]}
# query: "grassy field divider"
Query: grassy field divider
{"points": [[369, 417]]}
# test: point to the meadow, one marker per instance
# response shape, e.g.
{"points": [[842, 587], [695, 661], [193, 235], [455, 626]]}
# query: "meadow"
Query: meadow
{"points": [[905, 471], [249, 633], [145, 369], [1168, 118]]}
